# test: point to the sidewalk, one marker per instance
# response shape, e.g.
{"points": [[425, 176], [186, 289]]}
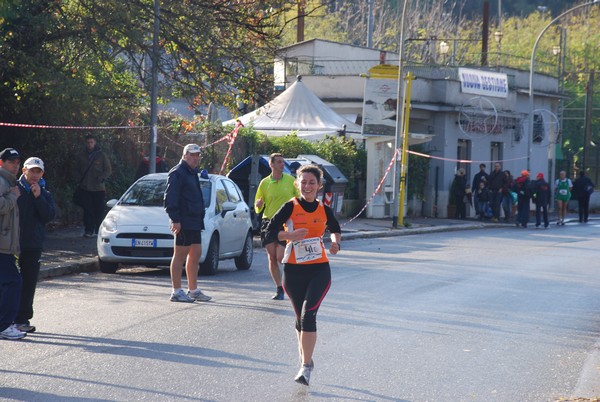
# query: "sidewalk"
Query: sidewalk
{"points": [[67, 251]]}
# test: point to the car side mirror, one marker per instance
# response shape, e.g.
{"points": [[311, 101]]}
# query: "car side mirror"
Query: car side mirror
{"points": [[226, 207], [111, 203]]}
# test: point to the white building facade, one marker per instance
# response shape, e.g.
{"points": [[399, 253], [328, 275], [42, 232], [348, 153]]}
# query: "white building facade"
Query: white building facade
{"points": [[466, 128]]}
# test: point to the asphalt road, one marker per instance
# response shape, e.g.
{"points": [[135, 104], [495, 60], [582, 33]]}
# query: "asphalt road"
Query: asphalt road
{"points": [[481, 315]]}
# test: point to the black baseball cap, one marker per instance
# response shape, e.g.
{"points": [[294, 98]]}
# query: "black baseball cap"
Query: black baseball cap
{"points": [[9, 154]]}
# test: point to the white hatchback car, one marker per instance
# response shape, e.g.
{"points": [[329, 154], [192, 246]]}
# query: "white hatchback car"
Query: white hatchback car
{"points": [[136, 229]]}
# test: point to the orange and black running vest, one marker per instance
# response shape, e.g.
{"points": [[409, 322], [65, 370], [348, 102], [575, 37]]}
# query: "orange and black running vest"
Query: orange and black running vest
{"points": [[309, 250]]}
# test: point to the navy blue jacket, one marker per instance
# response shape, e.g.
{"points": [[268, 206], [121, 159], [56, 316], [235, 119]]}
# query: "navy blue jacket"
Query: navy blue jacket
{"points": [[34, 214], [183, 197], [541, 192]]}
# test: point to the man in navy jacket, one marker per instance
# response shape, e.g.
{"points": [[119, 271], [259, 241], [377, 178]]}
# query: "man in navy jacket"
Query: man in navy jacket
{"points": [[36, 209], [185, 206]]}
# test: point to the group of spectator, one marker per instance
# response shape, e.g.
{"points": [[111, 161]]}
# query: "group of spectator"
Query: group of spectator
{"points": [[25, 208], [496, 192]]}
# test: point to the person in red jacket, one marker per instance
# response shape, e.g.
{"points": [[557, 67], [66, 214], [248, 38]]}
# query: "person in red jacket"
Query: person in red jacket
{"points": [[307, 275]]}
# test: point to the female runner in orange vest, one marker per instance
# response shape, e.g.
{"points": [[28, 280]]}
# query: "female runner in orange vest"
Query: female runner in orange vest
{"points": [[301, 222]]}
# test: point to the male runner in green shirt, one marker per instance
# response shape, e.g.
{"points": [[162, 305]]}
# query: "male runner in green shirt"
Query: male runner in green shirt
{"points": [[274, 191]]}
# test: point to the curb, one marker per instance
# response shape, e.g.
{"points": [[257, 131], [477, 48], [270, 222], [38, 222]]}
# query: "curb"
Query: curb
{"points": [[91, 264], [84, 265]]}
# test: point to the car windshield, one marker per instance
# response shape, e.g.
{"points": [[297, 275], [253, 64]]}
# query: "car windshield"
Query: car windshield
{"points": [[151, 193]]}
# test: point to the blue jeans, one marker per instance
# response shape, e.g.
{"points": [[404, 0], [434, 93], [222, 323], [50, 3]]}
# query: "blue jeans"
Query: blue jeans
{"points": [[495, 200], [10, 290], [481, 207], [507, 204]]}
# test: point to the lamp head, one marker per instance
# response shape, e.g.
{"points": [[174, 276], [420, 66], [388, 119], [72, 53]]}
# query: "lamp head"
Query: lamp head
{"points": [[556, 50], [498, 36], [444, 47]]}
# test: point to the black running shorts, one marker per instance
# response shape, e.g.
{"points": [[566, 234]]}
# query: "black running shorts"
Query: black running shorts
{"points": [[188, 237]]}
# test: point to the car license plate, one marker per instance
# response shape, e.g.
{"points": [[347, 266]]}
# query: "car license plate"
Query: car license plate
{"points": [[143, 243]]}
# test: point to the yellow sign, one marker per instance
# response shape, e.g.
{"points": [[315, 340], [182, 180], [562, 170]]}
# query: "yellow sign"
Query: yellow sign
{"points": [[384, 71]]}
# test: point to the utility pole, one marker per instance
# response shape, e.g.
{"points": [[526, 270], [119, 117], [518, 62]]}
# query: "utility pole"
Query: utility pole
{"points": [[300, 26], [370, 25], [485, 33], [589, 102]]}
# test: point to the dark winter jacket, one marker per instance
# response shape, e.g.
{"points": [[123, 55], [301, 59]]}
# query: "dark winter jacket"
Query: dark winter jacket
{"points": [[581, 186], [183, 197], [99, 169], [523, 189], [34, 214], [458, 187], [482, 195], [478, 178], [497, 180], [541, 192]]}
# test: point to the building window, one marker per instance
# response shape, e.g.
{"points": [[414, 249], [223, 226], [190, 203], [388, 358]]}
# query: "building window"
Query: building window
{"points": [[496, 151], [463, 153], [538, 128]]}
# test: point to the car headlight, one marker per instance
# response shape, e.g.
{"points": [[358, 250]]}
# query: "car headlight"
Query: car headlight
{"points": [[109, 223]]}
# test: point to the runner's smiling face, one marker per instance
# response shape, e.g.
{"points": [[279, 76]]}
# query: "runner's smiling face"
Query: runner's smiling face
{"points": [[308, 186]]}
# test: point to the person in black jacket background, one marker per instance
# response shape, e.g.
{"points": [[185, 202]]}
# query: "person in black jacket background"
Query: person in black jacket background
{"points": [[583, 187], [36, 209], [481, 176], [496, 182], [541, 198], [458, 193]]}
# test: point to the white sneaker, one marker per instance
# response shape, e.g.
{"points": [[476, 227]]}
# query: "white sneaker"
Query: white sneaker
{"points": [[198, 295], [303, 376], [12, 333], [180, 296]]}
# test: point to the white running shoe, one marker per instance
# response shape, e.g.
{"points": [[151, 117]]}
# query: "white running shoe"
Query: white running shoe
{"points": [[198, 295], [12, 333], [180, 296], [303, 376]]}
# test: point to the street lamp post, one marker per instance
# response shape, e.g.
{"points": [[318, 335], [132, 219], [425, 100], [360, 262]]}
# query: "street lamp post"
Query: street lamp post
{"points": [[154, 90], [498, 38], [399, 122], [531, 67]]}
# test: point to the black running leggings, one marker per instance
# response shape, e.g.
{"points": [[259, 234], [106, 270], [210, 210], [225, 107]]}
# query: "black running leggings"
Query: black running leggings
{"points": [[306, 285]]}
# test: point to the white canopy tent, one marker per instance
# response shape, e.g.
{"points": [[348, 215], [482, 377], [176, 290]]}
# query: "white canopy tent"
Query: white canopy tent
{"points": [[298, 109]]}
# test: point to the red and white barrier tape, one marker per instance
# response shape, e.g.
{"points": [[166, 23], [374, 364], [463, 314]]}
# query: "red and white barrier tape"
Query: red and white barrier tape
{"points": [[19, 125], [230, 139], [462, 160]]}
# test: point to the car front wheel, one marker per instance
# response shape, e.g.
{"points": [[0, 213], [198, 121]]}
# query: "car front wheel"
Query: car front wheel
{"points": [[210, 266], [108, 267], [244, 260]]}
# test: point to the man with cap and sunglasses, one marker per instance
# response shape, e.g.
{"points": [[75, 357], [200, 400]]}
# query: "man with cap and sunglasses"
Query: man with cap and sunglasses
{"points": [[10, 278], [36, 209], [184, 204]]}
